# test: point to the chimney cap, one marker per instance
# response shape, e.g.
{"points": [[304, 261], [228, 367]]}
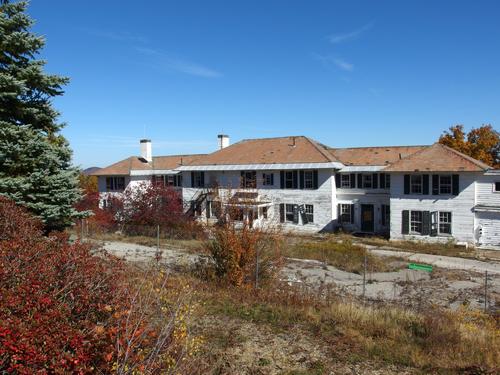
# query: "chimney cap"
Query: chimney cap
{"points": [[145, 140], [222, 136]]}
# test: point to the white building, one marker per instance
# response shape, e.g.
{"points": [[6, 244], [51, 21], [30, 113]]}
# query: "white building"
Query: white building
{"points": [[415, 192]]}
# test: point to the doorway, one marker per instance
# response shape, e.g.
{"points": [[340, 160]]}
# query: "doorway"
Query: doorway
{"points": [[367, 218]]}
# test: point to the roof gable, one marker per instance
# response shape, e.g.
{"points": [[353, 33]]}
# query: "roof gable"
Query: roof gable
{"points": [[438, 158]]}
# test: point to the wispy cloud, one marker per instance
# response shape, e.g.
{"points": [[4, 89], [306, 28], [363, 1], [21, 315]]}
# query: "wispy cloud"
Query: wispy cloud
{"points": [[120, 36], [344, 37], [335, 61], [166, 61]]}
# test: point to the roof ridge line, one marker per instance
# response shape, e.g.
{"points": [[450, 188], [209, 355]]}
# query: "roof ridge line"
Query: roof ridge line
{"points": [[362, 147], [322, 151], [469, 158]]}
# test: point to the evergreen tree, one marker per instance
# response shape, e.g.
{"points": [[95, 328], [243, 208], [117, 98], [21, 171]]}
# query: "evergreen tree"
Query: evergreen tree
{"points": [[35, 159]]}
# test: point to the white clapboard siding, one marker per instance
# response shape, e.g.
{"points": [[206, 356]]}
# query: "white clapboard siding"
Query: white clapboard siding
{"points": [[486, 194], [488, 229]]}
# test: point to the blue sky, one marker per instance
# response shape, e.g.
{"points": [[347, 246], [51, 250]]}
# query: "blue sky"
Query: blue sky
{"points": [[347, 73]]}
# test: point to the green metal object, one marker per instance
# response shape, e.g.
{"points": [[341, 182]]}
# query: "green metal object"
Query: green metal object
{"points": [[420, 267]]}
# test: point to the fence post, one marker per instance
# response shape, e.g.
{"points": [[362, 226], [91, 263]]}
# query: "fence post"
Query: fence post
{"points": [[485, 291]]}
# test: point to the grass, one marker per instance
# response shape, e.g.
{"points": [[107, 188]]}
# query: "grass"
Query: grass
{"points": [[343, 254]]}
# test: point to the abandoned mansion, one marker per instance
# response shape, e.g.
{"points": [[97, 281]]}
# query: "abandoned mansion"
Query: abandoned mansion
{"points": [[406, 192]]}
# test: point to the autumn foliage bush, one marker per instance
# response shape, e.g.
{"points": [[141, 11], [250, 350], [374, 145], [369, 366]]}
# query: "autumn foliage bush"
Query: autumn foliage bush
{"points": [[66, 309]]}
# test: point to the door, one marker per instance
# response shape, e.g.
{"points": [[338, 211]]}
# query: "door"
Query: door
{"points": [[367, 218]]}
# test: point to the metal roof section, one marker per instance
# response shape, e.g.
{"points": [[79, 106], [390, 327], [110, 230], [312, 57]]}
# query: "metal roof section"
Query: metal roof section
{"points": [[260, 167], [363, 168]]}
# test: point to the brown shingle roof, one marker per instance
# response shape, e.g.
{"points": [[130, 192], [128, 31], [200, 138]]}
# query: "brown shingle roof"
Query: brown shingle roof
{"points": [[124, 167], [373, 155], [438, 158], [297, 149]]}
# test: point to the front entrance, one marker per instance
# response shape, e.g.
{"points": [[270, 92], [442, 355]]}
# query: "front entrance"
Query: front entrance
{"points": [[367, 218]]}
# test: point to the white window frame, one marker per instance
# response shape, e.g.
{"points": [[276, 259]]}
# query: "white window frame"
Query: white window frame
{"points": [[308, 180], [447, 222], [309, 212], [345, 213], [447, 186], [367, 180], [345, 181], [290, 206], [419, 183], [417, 222]]}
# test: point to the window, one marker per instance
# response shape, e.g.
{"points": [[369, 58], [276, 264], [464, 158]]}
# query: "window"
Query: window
{"points": [[198, 179], [416, 222], [345, 213], [416, 184], [289, 179], [290, 212], [345, 181], [497, 187], [268, 179], [309, 213], [444, 222], [386, 215], [308, 180], [367, 181], [387, 181], [115, 183], [445, 184], [249, 179]]}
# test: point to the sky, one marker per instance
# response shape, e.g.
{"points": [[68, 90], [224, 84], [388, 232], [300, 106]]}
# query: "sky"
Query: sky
{"points": [[346, 73]]}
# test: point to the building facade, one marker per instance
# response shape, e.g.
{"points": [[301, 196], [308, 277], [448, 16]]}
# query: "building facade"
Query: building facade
{"points": [[430, 193]]}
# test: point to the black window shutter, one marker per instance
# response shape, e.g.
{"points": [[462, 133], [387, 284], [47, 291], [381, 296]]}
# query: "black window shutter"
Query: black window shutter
{"points": [[426, 223], [272, 178], [383, 215], [315, 179], [301, 173], [295, 179], [375, 181], [425, 183], [353, 181], [435, 184], [352, 214], [202, 179], [337, 180], [339, 214], [192, 179], [455, 181], [382, 180], [360, 181], [282, 213], [407, 184], [405, 227], [282, 179]]}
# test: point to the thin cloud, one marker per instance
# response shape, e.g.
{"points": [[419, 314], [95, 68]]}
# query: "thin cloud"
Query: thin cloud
{"points": [[165, 61], [335, 61], [344, 37], [119, 36]]}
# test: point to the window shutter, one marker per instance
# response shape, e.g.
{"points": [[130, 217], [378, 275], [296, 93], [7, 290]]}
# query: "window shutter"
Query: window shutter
{"points": [[272, 178], [426, 223], [382, 180], [295, 179], [315, 179], [302, 179], [282, 213], [375, 181], [405, 222], [352, 214], [353, 181], [407, 184], [337, 180], [192, 179], [360, 181], [339, 214], [282, 179], [202, 179], [425, 183], [435, 184], [383, 215], [455, 184]]}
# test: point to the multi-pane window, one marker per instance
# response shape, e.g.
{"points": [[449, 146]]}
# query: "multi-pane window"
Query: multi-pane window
{"points": [[444, 222], [345, 181], [198, 179], [445, 184], [309, 212], [345, 213], [367, 181], [289, 212], [115, 183], [289, 179], [416, 222], [416, 184], [308, 180], [386, 215], [268, 179], [497, 186], [249, 179]]}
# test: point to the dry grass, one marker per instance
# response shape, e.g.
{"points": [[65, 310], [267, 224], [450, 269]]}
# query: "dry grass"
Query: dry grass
{"points": [[341, 254]]}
